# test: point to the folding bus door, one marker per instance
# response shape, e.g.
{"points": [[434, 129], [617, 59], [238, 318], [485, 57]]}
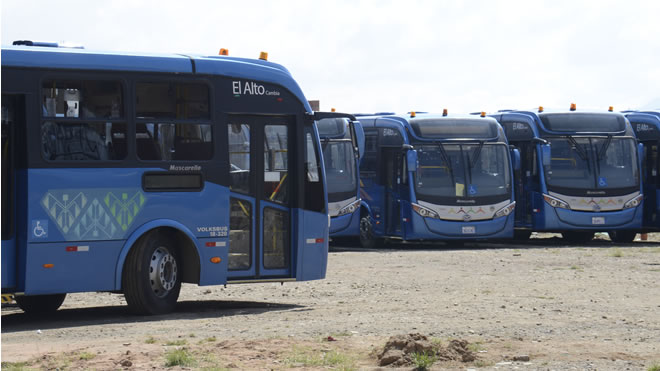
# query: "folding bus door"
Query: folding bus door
{"points": [[260, 213]]}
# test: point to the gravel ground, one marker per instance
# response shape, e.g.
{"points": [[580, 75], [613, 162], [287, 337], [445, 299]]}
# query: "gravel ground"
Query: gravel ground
{"points": [[567, 308]]}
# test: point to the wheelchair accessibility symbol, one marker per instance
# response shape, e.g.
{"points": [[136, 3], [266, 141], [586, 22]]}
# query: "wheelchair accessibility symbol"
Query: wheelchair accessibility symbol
{"points": [[472, 190], [40, 228], [602, 182]]}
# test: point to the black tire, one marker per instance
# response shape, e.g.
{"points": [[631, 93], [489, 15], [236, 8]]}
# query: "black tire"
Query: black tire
{"points": [[622, 236], [367, 239], [152, 279], [39, 304], [578, 236], [521, 235]]}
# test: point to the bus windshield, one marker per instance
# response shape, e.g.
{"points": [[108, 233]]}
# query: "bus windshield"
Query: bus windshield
{"points": [[592, 163], [340, 168], [462, 171]]}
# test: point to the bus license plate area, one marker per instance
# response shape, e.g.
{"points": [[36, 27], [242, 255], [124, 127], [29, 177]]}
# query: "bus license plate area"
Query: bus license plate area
{"points": [[470, 229], [598, 220]]}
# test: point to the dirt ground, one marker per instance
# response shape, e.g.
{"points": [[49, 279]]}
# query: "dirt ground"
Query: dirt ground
{"points": [[537, 305]]}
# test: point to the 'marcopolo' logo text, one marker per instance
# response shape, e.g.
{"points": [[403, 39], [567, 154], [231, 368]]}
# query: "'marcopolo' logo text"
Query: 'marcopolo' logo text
{"points": [[251, 88]]}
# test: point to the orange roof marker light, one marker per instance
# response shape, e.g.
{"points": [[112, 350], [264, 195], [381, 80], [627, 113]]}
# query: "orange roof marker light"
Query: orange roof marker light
{"points": [[573, 106], [540, 109], [483, 114], [333, 110], [413, 114], [445, 112], [263, 56], [223, 51], [611, 109]]}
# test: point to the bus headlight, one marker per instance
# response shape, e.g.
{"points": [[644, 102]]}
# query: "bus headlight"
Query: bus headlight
{"points": [[350, 208], [506, 210], [634, 202], [424, 212], [555, 202]]}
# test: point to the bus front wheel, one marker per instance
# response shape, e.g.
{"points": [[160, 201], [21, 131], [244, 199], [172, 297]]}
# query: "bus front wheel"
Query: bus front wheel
{"points": [[622, 236], [40, 304], [151, 278], [578, 236], [367, 238]]}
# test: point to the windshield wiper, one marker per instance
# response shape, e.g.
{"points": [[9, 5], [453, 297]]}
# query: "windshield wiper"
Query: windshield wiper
{"points": [[477, 154], [581, 152], [445, 157], [603, 149]]}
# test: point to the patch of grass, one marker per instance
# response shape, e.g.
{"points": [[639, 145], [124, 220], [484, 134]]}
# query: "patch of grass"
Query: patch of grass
{"points": [[207, 340], [483, 363], [150, 340], [475, 347], [14, 366], [179, 357], [192, 335], [654, 367], [309, 358], [617, 253], [86, 356], [576, 268], [423, 360], [176, 342]]}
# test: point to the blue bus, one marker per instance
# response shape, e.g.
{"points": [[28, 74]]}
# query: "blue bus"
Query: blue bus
{"points": [[133, 173], [342, 142], [435, 177], [579, 173], [646, 125]]}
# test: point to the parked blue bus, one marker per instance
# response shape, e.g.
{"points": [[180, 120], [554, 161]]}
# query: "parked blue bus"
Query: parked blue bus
{"points": [[435, 177], [646, 125], [579, 173], [342, 142], [134, 173]]}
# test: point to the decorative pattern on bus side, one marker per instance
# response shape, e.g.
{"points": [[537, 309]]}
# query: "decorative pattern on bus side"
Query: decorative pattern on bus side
{"points": [[93, 214]]}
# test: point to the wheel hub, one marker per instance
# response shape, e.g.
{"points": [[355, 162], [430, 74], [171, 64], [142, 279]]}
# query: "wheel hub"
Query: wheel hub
{"points": [[162, 272]]}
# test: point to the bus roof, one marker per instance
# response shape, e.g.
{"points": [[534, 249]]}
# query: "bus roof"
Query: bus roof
{"points": [[429, 126], [82, 59]]}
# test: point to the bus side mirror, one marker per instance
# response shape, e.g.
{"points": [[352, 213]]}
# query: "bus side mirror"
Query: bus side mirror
{"points": [[515, 159], [545, 154], [411, 159], [359, 138]]}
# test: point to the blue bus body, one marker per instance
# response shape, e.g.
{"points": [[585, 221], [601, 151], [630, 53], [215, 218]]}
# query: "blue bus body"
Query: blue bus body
{"points": [[646, 125], [210, 164], [579, 173], [341, 140], [434, 177]]}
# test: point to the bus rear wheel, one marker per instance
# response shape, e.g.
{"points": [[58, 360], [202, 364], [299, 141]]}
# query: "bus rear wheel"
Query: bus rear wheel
{"points": [[521, 235], [40, 304], [622, 236], [578, 236], [367, 238], [151, 278]]}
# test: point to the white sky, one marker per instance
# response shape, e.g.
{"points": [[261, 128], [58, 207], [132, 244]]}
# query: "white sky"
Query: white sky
{"points": [[367, 56]]}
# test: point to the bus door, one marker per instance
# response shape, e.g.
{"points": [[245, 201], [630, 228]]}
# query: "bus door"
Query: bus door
{"points": [[260, 193], [393, 172], [13, 110], [650, 180]]}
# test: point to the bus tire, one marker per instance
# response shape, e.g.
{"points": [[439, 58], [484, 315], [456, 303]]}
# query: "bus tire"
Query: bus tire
{"points": [[39, 304], [578, 236], [367, 238], [622, 236], [152, 280]]}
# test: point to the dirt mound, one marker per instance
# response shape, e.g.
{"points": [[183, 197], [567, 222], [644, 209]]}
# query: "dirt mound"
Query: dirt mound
{"points": [[400, 350]]}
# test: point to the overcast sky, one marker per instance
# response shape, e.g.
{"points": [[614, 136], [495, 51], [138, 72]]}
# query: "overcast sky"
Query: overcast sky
{"points": [[367, 56]]}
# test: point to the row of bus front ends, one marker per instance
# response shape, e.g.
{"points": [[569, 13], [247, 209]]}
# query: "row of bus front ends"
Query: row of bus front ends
{"points": [[427, 177]]}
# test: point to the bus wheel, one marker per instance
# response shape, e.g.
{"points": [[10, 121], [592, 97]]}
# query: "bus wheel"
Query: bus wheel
{"points": [[40, 304], [622, 236], [367, 239], [578, 236], [521, 235], [151, 278]]}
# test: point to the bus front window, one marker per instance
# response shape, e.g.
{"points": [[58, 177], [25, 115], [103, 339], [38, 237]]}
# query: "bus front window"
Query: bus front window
{"points": [[340, 169]]}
